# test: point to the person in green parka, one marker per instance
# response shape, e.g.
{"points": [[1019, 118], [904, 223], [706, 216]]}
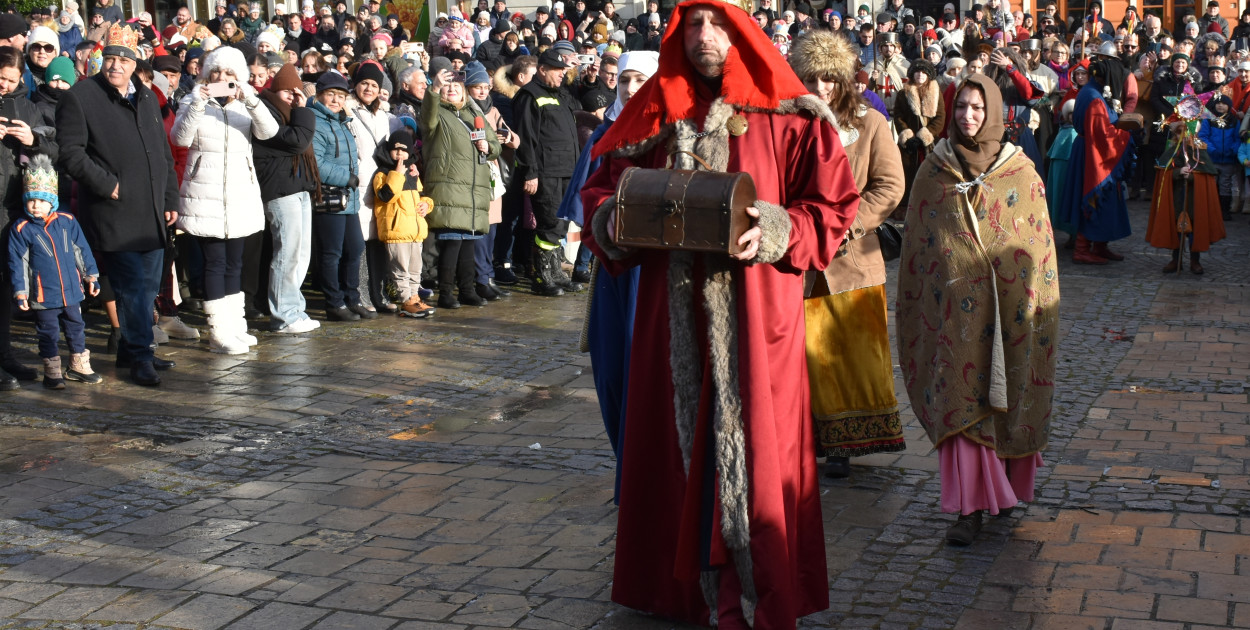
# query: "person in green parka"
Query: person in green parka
{"points": [[457, 177]]}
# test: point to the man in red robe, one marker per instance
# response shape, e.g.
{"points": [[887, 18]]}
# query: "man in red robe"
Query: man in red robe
{"points": [[720, 508]]}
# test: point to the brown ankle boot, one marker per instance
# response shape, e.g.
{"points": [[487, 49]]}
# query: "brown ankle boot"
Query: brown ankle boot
{"points": [[1176, 261], [1100, 249], [1194, 266]]}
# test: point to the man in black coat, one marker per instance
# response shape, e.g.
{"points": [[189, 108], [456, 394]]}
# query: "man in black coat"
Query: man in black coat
{"points": [[113, 143], [546, 158]]}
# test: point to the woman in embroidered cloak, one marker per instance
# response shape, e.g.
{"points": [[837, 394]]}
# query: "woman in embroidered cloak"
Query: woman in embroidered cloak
{"points": [[850, 371], [978, 312]]}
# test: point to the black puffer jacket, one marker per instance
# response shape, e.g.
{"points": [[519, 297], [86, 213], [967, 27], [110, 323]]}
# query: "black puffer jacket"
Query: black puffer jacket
{"points": [[544, 119], [275, 157], [15, 106], [108, 140]]}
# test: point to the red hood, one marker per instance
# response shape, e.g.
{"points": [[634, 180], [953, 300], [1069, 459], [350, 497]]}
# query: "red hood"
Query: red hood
{"points": [[755, 76]]}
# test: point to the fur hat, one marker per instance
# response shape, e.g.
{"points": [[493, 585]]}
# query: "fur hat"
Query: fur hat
{"points": [[225, 58], [922, 65], [822, 53]]}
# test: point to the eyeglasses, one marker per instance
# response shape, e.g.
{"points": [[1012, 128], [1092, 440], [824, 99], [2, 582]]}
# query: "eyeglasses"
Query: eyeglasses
{"points": [[43, 48]]}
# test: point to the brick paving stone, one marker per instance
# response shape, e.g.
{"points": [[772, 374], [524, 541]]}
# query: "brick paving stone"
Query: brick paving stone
{"points": [[140, 607], [74, 603], [31, 593], [271, 533], [354, 621], [363, 597], [493, 610], [105, 571], [206, 612], [278, 616]]}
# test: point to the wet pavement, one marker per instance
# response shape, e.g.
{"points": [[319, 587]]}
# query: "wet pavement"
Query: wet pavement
{"points": [[453, 473]]}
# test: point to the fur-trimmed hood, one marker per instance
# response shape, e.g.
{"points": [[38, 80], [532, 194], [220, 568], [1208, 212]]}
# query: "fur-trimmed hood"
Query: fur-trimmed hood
{"points": [[924, 99]]}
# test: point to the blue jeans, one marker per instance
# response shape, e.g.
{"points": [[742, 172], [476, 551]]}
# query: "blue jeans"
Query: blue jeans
{"points": [[290, 223], [341, 243], [136, 277], [483, 254], [50, 321], [582, 263]]}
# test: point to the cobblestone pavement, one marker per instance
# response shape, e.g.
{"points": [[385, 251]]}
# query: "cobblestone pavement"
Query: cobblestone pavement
{"points": [[453, 474]]}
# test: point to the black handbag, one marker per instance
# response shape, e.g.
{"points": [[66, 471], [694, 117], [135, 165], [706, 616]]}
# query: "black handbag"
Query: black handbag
{"points": [[891, 240], [334, 200]]}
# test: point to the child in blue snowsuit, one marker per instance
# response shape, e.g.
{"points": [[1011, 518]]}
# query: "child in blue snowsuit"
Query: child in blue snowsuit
{"points": [[49, 260]]}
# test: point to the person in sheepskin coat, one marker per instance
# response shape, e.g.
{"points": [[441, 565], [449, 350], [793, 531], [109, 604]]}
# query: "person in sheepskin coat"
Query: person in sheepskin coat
{"points": [[919, 117], [221, 201]]}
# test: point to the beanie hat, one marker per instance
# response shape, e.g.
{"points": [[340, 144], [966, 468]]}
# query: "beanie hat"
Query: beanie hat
{"points": [[61, 68], [41, 180], [597, 99], [861, 77], [11, 24], [475, 73], [369, 70], [228, 59], [332, 81], [287, 78], [44, 35], [439, 64], [268, 37]]}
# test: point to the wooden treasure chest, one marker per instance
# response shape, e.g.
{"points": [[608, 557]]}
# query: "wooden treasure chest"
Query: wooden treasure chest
{"points": [[697, 211]]}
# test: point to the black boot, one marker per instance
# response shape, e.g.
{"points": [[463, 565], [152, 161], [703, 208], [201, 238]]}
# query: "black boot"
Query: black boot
{"points": [[1194, 266], [448, 257], [1226, 207], [562, 278], [466, 274], [546, 282], [15, 368]]}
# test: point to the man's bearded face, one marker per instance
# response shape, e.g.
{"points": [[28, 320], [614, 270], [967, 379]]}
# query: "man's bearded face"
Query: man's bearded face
{"points": [[708, 37]]}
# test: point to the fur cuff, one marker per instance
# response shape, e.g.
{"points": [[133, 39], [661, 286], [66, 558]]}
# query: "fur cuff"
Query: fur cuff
{"points": [[774, 224], [599, 227], [904, 136], [925, 136]]}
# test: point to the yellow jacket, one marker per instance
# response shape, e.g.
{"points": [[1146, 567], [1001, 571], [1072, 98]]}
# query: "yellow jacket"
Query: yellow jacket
{"points": [[396, 211]]}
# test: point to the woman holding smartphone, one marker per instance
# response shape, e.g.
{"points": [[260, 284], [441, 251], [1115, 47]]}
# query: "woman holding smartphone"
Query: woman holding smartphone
{"points": [[221, 200]]}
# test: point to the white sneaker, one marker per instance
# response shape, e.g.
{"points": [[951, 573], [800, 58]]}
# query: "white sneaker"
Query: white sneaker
{"points": [[302, 326], [176, 328], [158, 335]]}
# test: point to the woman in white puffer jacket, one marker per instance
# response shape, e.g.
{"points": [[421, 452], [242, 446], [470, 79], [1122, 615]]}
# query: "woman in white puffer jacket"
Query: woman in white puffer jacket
{"points": [[221, 201], [371, 124]]}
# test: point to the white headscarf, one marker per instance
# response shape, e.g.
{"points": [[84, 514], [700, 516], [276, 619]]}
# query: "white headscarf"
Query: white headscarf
{"points": [[644, 62]]}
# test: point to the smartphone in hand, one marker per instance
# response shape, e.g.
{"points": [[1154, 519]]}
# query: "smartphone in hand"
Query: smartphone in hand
{"points": [[223, 89]]}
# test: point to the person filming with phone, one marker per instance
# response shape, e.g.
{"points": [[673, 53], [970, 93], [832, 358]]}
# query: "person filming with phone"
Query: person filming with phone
{"points": [[221, 200]]}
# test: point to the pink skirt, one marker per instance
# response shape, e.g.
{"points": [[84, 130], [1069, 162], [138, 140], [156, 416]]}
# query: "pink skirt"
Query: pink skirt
{"points": [[975, 478]]}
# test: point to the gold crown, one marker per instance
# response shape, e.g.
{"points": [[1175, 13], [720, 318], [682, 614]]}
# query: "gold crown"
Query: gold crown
{"points": [[123, 36], [40, 176]]}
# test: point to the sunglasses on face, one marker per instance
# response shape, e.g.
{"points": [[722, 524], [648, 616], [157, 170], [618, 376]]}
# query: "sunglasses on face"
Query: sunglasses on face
{"points": [[43, 47]]}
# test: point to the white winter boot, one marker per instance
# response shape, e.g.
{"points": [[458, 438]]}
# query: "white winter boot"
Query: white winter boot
{"points": [[221, 334], [239, 320]]}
